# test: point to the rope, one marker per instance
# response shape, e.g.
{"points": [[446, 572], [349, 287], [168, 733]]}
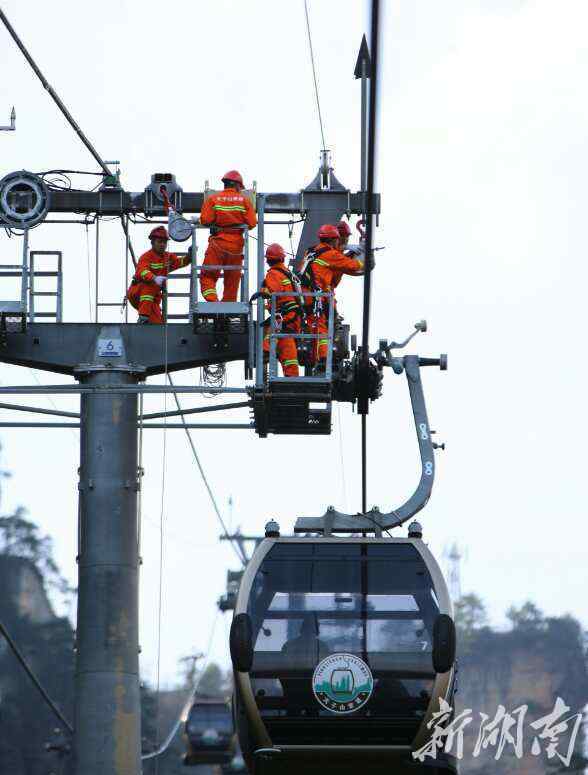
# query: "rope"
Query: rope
{"points": [[89, 273], [235, 546], [267, 244], [24, 664], [341, 456], [316, 92], [161, 522]]}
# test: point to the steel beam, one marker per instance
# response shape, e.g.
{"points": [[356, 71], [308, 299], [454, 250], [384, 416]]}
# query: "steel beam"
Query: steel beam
{"points": [[118, 202], [104, 389], [197, 410], [38, 410], [62, 347]]}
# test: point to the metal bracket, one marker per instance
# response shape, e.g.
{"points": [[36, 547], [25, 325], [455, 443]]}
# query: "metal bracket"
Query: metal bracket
{"points": [[375, 521]]}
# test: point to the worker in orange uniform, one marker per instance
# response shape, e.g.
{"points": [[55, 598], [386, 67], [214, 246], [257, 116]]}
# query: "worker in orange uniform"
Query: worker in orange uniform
{"points": [[279, 279], [224, 212], [145, 291], [324, 268]]}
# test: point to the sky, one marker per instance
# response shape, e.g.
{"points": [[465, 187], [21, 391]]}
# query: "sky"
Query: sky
{"points": [[482, 168]]}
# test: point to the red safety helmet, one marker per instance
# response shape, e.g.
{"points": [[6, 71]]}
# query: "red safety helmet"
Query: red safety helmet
{"points": [[275, 253], [344, 229], [159, 232], [328, 231], [234, 176]]}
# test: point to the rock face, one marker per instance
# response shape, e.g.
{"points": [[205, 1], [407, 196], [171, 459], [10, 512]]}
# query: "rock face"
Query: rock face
{"points": [[523, 672], [45, 640], [23, 590]]}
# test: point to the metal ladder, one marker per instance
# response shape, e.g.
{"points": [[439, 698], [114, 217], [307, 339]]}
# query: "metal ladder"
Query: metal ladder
{"points": [[57, 293], [167, 294], [14, 314]]}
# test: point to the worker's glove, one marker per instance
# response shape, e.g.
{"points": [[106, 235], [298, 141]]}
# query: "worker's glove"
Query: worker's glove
{"points": [[354, 250], [371, 260], [160, 280]]}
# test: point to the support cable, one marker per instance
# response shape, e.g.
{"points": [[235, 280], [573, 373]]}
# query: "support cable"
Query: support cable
{"points": [[235, 546], [24, 664], [70, 119], [363, 403], [189, 701], [316, 92]]}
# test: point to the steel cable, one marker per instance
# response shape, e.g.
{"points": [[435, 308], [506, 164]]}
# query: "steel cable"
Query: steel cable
{"points": [[316, 91]]}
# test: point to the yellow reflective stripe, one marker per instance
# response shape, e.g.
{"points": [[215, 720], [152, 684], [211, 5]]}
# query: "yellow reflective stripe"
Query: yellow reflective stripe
{"points": [[323, 341], [156, 266], [145, 272], [291, 362], [229, 207], [208, 292], [285, 282], [321, 262], [146, 298]]}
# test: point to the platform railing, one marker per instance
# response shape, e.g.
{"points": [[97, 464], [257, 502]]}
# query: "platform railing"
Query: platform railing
{"points": [[321, 300], [201, 306]]}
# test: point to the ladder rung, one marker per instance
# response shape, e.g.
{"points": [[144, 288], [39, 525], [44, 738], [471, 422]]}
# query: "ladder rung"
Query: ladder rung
{"points": [[178, 317], [44, 293], [45, 314], [45, 274], [10, 274], [178, 295], [11, 266], [109, 304]]}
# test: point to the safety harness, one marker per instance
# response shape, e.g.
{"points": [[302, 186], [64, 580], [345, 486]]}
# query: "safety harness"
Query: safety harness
{"points": [[308, 280], [296, 305]]}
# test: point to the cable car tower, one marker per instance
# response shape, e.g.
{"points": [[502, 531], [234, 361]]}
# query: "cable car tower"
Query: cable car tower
{"points": [[109, 364]]}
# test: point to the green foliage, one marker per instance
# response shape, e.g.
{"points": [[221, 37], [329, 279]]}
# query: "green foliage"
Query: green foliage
{"points": [[21, 538], [528, 618], [470, 619], [211, 681]]}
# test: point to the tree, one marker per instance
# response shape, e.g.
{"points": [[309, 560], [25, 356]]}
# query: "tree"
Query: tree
{"points": [[527, 618], [470, 614], [211, 681], [21, 538]]}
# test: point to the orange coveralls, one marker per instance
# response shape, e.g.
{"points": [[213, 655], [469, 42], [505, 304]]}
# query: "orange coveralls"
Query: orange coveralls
{"points": [[279, 280], [326, 270], [143, 293], [226, 209]]}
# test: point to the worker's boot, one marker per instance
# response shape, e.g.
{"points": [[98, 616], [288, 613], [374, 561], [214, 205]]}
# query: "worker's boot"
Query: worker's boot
{"points": [[143, 320]]}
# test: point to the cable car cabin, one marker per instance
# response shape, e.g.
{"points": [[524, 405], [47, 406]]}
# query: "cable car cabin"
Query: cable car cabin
{"points": [[342, 649], [210, 732], [236, 766]]}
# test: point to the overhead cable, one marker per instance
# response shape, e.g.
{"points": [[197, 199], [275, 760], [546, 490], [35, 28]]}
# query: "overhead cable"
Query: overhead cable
{"points": [[363, 403], [38, 686], [236, 548], [316, 91], [188, 703], [53, 94]]}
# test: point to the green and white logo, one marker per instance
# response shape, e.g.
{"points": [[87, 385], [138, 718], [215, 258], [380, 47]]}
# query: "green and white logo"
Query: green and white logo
{"points": [[342, 683]]}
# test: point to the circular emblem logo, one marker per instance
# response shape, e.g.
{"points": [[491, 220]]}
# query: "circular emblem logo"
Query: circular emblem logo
{"points": [[342, 683]]}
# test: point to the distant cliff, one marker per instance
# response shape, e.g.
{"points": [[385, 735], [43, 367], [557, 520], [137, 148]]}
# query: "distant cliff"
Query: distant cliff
{"points": [[537, 661]]}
